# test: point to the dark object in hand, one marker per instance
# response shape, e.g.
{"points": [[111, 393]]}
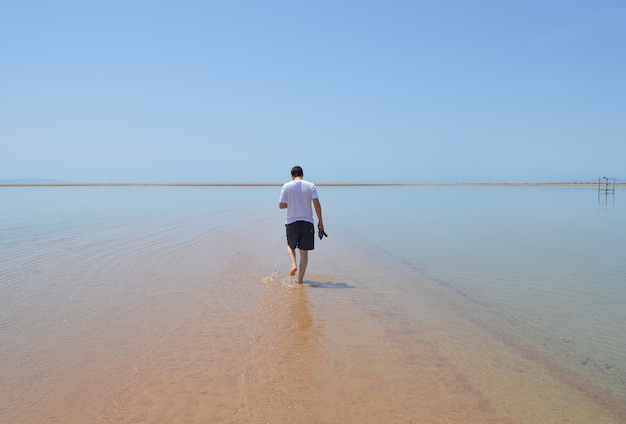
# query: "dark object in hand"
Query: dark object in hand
{"points": [[322, 234]]}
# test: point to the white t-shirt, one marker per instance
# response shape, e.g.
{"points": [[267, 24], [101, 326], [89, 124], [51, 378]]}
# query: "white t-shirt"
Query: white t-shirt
{"points": [[298, 195]]}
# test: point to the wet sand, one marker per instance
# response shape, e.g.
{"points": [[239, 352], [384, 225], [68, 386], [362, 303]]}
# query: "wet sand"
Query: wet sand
{"points": [[200, 327], [262, 351]]}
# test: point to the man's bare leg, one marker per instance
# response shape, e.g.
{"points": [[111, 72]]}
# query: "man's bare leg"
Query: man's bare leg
{"points": [[304, 261], [292, 258]]}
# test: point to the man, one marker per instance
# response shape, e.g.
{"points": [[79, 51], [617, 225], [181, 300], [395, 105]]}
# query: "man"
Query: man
{"points": [[296, 196]]}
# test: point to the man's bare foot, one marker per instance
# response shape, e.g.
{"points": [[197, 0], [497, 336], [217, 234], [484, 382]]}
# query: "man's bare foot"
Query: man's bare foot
{"points": [[293, 271]]}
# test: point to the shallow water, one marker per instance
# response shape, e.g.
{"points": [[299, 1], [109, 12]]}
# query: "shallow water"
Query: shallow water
{"points": [[424, 304]]}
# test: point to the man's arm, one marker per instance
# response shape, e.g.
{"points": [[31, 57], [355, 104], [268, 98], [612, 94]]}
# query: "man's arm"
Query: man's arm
{"points": [[318, 211], [282, 200]]}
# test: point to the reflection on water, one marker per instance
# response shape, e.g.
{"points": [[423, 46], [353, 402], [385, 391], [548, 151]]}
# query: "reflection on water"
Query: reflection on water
{"points": [[606, 198], [285, 348]]}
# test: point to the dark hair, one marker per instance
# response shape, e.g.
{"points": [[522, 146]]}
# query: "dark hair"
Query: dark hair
{"points": [[296, 171]]}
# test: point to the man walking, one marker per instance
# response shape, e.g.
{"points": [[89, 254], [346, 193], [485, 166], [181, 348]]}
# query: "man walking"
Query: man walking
{"points": [[297, 196]]}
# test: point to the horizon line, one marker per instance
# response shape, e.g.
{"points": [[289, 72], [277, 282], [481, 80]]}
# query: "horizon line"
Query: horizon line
{"points": [[336, 184]]}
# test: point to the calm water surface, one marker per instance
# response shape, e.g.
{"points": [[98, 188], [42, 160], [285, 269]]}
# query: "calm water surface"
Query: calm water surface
{"points": [[547, 264], [454, 302]]}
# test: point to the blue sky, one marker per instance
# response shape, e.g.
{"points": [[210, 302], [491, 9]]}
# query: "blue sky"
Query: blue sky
{"points": [[370, 91]]}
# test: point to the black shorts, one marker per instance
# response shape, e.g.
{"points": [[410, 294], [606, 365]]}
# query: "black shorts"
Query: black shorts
{"points": [[301, 234]]}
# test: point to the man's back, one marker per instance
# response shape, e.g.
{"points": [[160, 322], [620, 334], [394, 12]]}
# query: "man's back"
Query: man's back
{"points": [[298, 194]]}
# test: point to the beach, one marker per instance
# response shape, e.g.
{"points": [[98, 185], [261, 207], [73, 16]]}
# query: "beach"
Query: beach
{"points": [[172, 304]]}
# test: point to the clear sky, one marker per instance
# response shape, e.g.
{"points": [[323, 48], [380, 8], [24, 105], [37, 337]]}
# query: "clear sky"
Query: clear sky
{"points": [[353, 91]]}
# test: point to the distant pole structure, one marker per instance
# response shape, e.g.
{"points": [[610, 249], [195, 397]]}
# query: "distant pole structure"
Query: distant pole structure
{"points": [[606, 185]]}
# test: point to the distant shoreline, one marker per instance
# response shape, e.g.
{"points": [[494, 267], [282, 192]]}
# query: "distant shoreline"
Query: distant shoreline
{"points": [[547, 184]]}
